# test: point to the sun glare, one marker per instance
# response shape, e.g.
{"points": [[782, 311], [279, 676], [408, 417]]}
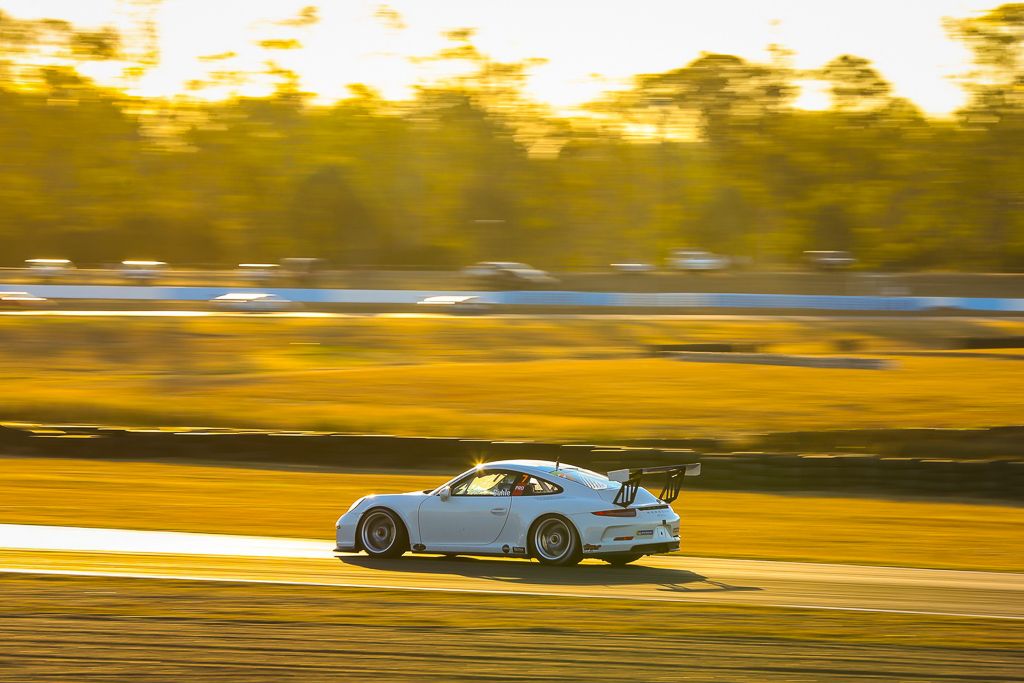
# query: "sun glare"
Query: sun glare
{"points": [[589, 47], [813, 95]]}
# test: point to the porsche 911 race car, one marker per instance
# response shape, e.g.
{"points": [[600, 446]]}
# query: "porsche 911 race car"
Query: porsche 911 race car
{"points": [[554, 512]]}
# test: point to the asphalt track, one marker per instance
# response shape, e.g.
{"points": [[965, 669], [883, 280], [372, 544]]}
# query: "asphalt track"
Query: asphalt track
{"points": [[77, 551]]}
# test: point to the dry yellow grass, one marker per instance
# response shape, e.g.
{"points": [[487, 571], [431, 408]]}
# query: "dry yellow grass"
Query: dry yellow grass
{"points": [[306, 503], [499, 378], [561, 400]]}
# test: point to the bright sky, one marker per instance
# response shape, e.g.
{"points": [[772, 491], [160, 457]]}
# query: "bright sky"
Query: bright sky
{"points": [[590, 45]]}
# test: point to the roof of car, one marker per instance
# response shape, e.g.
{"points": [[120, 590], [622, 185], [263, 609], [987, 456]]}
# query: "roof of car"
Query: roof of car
{"points": [[528, 465]]}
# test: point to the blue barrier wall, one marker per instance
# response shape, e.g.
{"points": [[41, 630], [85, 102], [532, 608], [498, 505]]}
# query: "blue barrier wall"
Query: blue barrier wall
{"points": [[529, 298]]}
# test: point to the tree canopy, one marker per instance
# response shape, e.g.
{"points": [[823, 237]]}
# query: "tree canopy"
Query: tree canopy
{"points": [[712, 154]]}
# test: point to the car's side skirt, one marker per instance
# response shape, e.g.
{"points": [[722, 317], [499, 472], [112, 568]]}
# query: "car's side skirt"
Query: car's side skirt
{"points": [[489, 551]]}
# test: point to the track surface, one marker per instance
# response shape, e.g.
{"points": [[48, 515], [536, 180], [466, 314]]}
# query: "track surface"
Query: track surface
{"points": [[208, 557]]}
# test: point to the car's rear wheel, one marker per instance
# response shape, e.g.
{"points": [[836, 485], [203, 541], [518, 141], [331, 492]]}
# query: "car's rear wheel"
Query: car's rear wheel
{"points": [[620, 559], [382, 534], [554, 541]]}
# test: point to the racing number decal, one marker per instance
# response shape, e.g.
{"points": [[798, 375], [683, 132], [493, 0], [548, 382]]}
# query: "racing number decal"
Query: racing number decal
{"points": [[520, 486]]}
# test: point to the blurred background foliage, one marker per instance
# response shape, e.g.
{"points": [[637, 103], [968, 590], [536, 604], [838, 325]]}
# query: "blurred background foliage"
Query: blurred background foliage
{"points": [[713, 154]]}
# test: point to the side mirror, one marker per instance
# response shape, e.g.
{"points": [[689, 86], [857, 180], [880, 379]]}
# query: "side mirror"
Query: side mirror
{"points": [[444, 493]]}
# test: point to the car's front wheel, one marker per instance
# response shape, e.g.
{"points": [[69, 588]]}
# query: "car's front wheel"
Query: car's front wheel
{"points": [[382, 534], [555, 541]]}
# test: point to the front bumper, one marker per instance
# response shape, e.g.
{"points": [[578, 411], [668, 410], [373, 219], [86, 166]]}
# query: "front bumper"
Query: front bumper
{"points": [[345, 532]]}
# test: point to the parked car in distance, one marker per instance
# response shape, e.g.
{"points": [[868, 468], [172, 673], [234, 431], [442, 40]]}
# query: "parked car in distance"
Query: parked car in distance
{"points": [[697, 261], [258, 272], [485, 269], [22, 301], [142, 271], [457, 305], [49, 268], [253, 302], [508, 274], [633, 268], [829, 260]]}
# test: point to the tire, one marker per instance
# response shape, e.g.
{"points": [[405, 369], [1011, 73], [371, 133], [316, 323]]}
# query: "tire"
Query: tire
{"points": [[382, 534], [621, 559], [554, 541]]}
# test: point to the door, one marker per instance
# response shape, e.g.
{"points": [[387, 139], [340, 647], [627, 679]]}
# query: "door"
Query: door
{"points": [[474, 514]]}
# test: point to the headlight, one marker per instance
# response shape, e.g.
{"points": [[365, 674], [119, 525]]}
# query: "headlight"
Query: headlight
{"points": [[354, 505]]}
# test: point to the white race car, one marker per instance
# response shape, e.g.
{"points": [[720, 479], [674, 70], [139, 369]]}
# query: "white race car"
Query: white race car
{"points": [[557, 513]]}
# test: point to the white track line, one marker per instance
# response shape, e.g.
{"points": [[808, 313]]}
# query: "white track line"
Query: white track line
{"points": [[94, 539], [487, 591]]}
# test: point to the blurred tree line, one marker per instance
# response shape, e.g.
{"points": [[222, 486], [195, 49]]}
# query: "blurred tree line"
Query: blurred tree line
{"points": [[712, 155]]}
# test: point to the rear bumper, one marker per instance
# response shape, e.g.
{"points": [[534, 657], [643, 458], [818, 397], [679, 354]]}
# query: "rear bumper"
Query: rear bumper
{"points": [[620, 548], [655, 548]]}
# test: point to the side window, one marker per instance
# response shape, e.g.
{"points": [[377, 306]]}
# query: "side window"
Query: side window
{"points": [[544, 488], [487, 483], [532, 486]]}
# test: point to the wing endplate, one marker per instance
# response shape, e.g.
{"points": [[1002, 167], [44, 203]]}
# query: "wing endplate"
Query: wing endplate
{"points": [[631, 478]]}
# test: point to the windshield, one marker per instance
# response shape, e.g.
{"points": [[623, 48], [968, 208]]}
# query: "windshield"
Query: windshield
{"points": [[593, 480]]}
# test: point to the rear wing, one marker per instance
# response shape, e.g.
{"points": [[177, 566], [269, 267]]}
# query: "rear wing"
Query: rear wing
{"points": [[630, 479]]}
